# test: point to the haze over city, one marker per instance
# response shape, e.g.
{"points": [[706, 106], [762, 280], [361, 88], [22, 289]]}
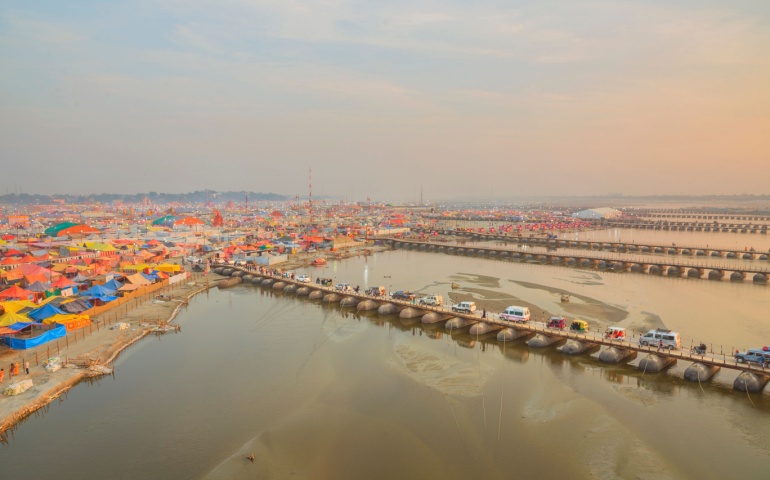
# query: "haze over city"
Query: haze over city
{"points": [[383, 99]]}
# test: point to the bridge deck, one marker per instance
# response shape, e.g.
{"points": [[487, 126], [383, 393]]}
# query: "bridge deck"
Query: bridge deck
{"points": [[537, 327]]}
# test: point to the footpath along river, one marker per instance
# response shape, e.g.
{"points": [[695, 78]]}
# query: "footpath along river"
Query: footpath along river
{"points": [[317, 392]]}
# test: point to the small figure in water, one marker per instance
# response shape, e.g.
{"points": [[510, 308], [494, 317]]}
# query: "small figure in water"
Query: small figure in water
{"points": [[251, 457]]}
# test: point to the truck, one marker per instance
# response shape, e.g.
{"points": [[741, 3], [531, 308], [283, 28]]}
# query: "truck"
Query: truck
{"points": [[760, 356], [432, 300], [464, 307]]}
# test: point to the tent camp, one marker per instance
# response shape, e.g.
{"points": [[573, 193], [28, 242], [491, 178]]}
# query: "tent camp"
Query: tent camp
{"points": [[39, 287], [70, 321], [44, 312], [47, 333], [75, 306], [70, 229], [98, 291], [16, 292], [11, 317]]}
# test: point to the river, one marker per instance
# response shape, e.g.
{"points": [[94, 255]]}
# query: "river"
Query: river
{"points": [[316, 392]]}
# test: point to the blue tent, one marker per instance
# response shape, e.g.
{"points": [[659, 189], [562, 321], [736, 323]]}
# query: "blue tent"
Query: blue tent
{"points": [[58, 331], [113, 284], [97, 291], [106, 298], [46, 311], [150, 276]]}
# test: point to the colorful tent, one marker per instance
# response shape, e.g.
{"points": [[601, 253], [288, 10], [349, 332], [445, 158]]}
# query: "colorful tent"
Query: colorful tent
{"points": [[16, 292], [62, 282], [9, 318], [39, 287], [46, 311], [70, 229], [70, 321], [166, 221], [16, 305], [97, 291], [189, 221]]}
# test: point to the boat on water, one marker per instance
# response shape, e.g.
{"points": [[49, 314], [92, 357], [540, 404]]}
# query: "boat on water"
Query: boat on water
{"points": [[319, 262]]}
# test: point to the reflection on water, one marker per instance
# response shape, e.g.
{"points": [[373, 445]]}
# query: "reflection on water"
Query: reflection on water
{"points": [[318, 392]]}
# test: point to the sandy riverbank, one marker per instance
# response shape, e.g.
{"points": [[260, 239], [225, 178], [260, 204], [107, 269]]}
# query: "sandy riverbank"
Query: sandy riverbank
{"points": [[99, 345]]}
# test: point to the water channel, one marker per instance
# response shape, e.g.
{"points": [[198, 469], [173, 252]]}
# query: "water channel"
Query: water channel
{"points": [[317, 392]]}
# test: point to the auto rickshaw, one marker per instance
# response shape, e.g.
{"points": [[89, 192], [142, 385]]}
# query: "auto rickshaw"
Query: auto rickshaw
{"points": [[579, 326], [615, 333], [557, 322]]}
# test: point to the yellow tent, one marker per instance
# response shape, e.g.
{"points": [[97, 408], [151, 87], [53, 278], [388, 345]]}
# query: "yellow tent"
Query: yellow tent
{"points": [[168, 268], [16, 305], [11, 317], [100, 247], [70, 321]]}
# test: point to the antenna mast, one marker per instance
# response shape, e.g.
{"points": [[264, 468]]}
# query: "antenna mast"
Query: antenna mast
{"points": [[310, 197]]}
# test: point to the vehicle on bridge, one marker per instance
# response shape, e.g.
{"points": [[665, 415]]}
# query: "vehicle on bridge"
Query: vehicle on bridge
{"points": [[515, 313], [759, 356], [661, 338], [432, 300], [375, 291], [557, 322], [615, 333], [343, 287], [579, 326], [303, 278], [402, 295], [464, 307]]}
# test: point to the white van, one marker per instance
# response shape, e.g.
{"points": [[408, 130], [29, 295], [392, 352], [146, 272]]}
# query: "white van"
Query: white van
{"points": [[661, 337], [432, 300], [515, 314]]}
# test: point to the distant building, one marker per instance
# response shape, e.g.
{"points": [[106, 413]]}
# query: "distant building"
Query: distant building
{"points": [[597, 213]]}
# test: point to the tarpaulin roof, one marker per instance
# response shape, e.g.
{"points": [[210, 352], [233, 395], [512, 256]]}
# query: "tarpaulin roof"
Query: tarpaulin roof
{"points": [[138, 279], [76, 306], [16, 305], [113, 285], [190, 221], [62, 282], [54, 231], [39, 287], [15, 292], [46, 311], [97, 291], [168, 220], [9, 318]]}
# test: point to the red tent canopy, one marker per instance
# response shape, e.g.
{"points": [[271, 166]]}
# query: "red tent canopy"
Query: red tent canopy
{"points": [[62, 282], [15, 292]]}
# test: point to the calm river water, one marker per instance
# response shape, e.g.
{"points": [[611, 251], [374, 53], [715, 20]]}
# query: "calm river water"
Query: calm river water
{"points": [[317, 392]]}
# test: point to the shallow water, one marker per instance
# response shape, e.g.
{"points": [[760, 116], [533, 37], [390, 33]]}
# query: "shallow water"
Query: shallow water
{"points": [[317, 392]]}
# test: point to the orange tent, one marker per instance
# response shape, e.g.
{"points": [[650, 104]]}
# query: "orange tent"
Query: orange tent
{"points": [[16, 292], [76, 230], [189, 221]]}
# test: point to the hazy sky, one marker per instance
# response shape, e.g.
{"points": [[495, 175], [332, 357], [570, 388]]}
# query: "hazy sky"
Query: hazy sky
{"points": [[464, 98]]}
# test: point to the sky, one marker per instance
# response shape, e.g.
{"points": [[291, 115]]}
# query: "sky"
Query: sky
{"points": [[385, 100]]}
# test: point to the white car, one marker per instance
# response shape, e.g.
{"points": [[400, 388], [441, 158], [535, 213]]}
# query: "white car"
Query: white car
{"points": [[343, 287], [303, 278]]}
